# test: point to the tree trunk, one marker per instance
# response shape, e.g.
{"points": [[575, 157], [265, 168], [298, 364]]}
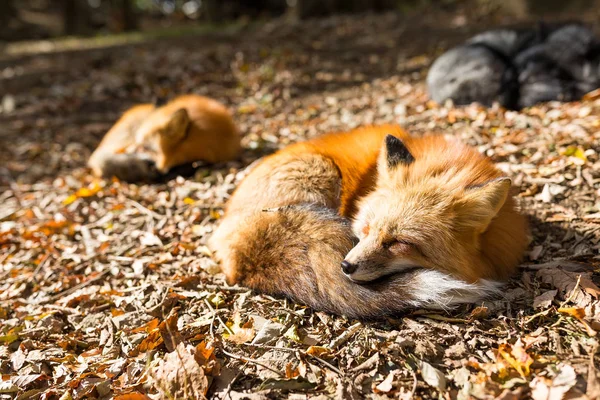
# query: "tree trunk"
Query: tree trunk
{"points": [[130, 22], [212, 11], [70, 17], [7, 11], [123, 16], [76, 17]]}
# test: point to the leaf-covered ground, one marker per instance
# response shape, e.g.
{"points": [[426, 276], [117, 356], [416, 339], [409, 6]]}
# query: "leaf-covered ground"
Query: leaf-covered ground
{"points": [[108, 290]]}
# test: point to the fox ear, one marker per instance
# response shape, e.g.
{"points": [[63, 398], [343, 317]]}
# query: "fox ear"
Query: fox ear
{"points": [[481, 203], [395, 152], [177, 125]]}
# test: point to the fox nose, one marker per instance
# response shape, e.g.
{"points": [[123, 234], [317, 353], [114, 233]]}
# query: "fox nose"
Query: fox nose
{"points": [[348, 267]]}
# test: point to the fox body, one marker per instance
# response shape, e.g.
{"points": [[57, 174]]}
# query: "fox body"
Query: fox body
{"points": [[147, 140], [433, 224]]}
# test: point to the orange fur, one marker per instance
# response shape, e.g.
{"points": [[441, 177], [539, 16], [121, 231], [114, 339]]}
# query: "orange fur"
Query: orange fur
{"points": [[434, 232], [187, 129]]}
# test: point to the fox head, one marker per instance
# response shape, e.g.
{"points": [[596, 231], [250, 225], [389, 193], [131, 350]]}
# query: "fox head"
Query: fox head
{"points": [[422, 216], [158, 136]]}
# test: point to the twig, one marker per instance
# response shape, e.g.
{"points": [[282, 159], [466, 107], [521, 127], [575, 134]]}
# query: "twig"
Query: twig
{"points": [[41, 265], [303, 352], [586, 236], [76, 287], [540, 314], [344, 337], [572, 294], [253, 361], [231, 385], [228, 329], [327, 364], [145, 210], [234, 289], [414, 388]]}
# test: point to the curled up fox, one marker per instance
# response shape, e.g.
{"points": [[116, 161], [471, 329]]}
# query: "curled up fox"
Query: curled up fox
{"points": [[148, 141], [370, 222]]}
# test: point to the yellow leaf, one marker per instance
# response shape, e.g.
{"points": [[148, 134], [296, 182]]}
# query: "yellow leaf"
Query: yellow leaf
{"points": [[89, 191], [8, 339], [578, 313], [217, 300], [575, 151], [242, 332], [318, 351], [189, 201], [292, 334], [516, 357], [69, 200]]}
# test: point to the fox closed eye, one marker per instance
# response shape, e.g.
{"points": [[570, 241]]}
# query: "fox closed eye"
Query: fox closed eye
{"points": [[392, 242]]}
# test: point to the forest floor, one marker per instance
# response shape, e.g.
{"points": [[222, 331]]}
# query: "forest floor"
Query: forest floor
{"points": [[107, 289]]}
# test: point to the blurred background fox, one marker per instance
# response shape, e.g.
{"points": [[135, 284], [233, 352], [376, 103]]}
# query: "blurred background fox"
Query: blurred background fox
{"points": [[434, 224], [148, 141]]}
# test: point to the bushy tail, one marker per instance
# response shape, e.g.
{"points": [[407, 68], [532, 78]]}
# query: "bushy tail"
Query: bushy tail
{"points": [[296, 251], [126, 167]]}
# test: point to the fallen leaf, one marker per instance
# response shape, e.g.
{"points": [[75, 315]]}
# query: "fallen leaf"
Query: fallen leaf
{"points": [[386, 385], [318, 351], [579, 314], [179, 376], [517, 357], [169, 332], [553, 389], [432, 376], [292, 334], [480, 312], [566, 281], [132, 396], [575, 312], [242, 333], [290, 371], [545, 299], [269, 331]]}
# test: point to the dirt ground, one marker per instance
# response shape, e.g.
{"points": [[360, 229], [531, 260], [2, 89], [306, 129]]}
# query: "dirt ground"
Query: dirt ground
{"points": [[107, 289]]}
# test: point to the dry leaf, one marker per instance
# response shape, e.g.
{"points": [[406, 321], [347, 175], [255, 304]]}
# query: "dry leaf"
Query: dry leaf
{"points": [[318, 351], [169, 332], [516, 356], [132, 396], [553, 389], [242, 332], [579, 314], [432, 376], [545, 299], [386, 385], [179, 376]]}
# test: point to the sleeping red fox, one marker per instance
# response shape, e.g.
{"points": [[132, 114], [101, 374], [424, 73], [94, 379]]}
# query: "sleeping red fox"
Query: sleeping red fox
{"points": [[433, 226], [147, 141]]}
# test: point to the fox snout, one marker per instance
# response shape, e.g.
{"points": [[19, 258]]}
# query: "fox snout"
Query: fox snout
{"points": [[369, 260]]}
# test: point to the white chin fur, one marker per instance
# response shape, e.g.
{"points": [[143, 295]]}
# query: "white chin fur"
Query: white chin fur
{"points": [[437, 290]]}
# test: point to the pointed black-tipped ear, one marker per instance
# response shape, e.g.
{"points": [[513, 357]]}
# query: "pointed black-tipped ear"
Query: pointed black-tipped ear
{"points": [[396, 152]]}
